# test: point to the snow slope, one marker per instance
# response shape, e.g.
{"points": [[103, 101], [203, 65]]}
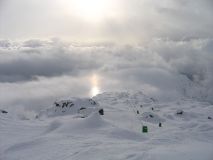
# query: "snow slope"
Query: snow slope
{"points": [[116, 135]]}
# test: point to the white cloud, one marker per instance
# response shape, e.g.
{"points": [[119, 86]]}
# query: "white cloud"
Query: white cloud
{"points": [[35, 74]]}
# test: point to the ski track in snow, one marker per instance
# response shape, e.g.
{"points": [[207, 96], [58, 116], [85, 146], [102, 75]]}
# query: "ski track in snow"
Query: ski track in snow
{"points": [[116, 135]]}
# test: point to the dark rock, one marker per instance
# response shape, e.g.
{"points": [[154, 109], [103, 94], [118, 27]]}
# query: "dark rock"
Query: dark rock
{"points": [[92, 102], [138, 112], [151, 116], [179, 112], [209, 117], [65, 104], [82, 108], [101, 111], [160, 125], [56, 104], [3, 111]]}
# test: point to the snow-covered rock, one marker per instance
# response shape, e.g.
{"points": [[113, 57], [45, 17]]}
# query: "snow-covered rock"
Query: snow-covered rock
{"points": [[72, 106], [151, 117]]}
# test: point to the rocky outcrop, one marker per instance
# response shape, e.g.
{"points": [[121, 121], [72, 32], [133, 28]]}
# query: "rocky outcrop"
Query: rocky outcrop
{"points": [[72, 106]]}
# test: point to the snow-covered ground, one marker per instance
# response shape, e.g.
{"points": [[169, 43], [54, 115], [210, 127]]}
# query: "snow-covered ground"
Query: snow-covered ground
{"points": [[65, 135]]}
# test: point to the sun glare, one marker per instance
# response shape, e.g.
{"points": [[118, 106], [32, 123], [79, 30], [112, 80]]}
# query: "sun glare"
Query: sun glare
{"points": [[95, 85], [90, 10], [95, 91]]}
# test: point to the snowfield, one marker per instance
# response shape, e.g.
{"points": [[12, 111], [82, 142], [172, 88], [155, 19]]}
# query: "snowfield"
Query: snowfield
{"points": [[77, 131]]}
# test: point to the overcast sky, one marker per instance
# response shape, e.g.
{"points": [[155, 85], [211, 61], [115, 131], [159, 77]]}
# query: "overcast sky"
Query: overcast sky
{"points": [[55, 48], [128, 21]]}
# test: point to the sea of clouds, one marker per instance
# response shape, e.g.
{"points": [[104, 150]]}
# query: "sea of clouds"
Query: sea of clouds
{"points": [[33, 73]]}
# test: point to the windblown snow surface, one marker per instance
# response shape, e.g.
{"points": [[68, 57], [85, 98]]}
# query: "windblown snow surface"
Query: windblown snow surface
{"points": [[116, 135]]}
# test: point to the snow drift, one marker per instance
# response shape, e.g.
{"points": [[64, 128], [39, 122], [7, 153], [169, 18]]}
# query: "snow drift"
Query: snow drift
{"points": [[186, 131]]}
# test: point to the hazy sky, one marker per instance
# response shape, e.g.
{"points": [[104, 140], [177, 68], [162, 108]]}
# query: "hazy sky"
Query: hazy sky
{"points": [[55, 48], [128, 21]]}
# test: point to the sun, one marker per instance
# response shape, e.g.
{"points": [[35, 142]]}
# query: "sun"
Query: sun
{"points": [[95, 85], [90, 10], [94, 91]]}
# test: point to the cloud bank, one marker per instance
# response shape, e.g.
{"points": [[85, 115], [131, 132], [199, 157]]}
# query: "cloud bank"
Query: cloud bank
{"points": [[33, 73]]}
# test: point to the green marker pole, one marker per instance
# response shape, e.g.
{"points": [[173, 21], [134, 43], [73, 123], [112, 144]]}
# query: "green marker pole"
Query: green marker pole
{"points": [[144, 129]]}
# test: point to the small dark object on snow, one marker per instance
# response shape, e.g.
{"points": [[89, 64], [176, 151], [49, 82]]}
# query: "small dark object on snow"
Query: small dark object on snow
{"points": [[141, 105], [151, 116], [65, 104], [3, 111], [82, 108], [160, 125], [179, 112], [56, 104], [137, 112], [101, 111], [144, 129], [152, 108], [209, 117], [92, 102], [71, 104]]}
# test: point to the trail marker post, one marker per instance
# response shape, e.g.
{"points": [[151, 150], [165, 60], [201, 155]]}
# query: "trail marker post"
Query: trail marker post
{"points": [[144, 129]]}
